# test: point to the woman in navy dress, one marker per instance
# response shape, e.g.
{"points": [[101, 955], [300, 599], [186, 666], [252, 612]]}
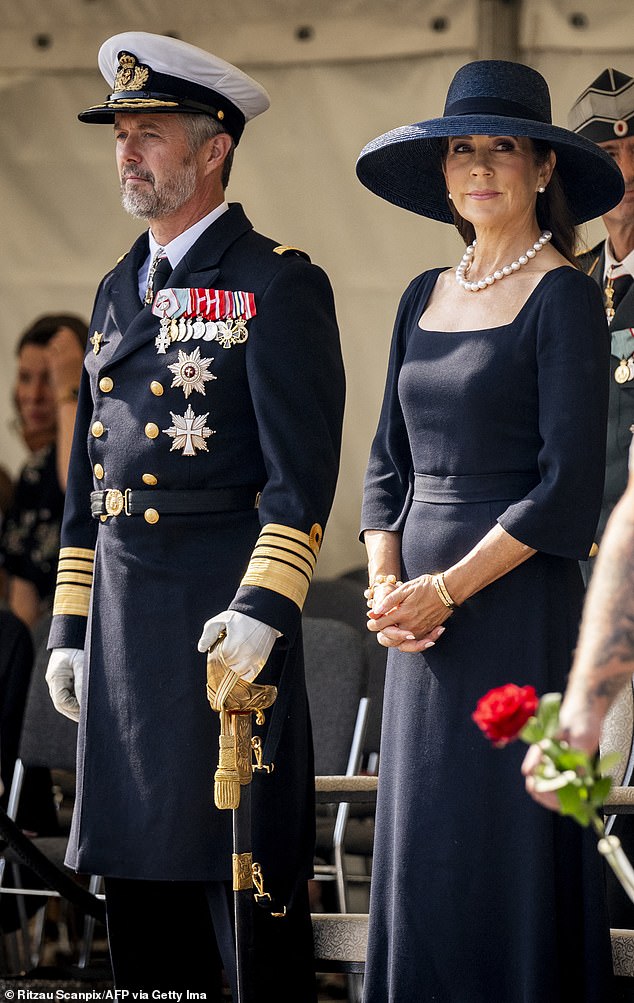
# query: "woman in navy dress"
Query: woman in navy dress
{"points": [[482, 492]]}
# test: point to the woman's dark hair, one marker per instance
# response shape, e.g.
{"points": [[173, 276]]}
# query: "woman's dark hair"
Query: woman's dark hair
{"points": [[553, 212], [42, 330]]}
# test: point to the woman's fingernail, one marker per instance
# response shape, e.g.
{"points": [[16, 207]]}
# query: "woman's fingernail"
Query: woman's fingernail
{"points": [[430, 644], [441, 630], [410, 637]]}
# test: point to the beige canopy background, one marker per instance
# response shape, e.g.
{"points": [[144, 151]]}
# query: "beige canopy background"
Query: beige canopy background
{"points": [[339, 72]]}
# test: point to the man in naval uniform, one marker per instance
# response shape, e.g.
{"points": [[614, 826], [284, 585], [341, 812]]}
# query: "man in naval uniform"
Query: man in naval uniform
{"points": [[203, 469], [604, 113]]}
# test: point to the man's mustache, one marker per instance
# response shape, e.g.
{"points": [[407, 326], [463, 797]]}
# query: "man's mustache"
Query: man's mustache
{"points": [[136, 172]]}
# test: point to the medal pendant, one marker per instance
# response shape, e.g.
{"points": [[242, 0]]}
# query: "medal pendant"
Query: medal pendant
{"points": [[630, 366], [198, 329], [162, 340], [622, 372], [182, 329], [210, 331], [223, 334], [189, 330], [238, 330], [173, 330]]}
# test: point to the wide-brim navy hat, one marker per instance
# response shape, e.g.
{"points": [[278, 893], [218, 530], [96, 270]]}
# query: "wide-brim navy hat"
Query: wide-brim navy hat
{"points": [[488, 97], [158, 74]]}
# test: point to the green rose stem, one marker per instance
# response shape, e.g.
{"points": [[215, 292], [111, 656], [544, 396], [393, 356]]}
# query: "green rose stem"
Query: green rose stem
{"points": [[579, 782]]}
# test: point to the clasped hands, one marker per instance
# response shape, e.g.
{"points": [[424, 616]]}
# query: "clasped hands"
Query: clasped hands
{"points": [[407, 616], [245, 649]]}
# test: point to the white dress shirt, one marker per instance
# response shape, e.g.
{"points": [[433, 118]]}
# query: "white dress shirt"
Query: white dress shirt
{"points": [[179, 246]]}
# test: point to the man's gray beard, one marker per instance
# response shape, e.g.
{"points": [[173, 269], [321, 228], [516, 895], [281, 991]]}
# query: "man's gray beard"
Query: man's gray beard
{"points": [[156, 203]]}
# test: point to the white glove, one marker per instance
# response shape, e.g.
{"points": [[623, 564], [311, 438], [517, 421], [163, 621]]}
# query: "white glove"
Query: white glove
{"points": [[247, 645], [64, 676]]}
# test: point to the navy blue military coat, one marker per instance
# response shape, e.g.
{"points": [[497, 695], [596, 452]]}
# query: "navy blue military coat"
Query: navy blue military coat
{"points": [[621, 402], [264, 414]]}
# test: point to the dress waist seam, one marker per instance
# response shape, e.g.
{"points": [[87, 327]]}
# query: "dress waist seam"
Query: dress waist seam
{"points": [[499, 486]]}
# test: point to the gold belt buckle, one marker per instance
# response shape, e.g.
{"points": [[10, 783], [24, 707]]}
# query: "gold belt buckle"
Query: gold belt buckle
{"points": [[114, 501]]}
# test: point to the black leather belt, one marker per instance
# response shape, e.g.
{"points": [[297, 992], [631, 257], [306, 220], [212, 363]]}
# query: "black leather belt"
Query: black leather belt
{"points": [[133, 502]]}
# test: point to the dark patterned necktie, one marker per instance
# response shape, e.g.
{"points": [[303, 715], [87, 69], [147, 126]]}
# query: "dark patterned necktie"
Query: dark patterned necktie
{"points": [[158, 274]]}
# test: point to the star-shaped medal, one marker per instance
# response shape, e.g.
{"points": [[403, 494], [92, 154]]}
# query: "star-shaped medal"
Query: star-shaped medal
{"points": [[189, 432], [191, 372]]}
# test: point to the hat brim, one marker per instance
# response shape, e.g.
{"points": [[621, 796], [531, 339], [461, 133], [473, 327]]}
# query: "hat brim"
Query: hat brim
{"points": [[103, 114], [403, 166]]}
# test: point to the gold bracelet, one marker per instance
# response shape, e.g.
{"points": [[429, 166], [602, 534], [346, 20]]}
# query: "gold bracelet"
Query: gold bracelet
{"points": [[438, 581], [381, 580]]}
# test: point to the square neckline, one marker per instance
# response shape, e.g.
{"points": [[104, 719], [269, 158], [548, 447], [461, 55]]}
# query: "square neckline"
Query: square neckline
{"points": [[499, 327]]}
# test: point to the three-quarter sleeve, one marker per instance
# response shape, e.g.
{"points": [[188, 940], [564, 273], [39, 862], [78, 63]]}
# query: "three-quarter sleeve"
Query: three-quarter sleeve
{"points": [[559, 516]]}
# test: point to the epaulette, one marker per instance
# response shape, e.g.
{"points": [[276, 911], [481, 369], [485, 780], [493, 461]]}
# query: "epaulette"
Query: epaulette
{"points": [[119, 260], [285, 249]]}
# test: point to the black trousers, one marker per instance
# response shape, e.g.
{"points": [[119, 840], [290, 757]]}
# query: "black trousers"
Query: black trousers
{"points": [[173, 935]]}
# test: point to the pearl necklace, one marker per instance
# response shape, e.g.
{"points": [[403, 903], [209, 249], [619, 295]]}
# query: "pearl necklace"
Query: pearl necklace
{"points": [[500, 273]]}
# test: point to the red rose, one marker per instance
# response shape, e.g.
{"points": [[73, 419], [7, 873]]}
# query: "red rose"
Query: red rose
{"points": [[502, 713]]}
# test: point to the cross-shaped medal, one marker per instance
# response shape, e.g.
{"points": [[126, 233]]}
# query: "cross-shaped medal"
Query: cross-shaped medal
{"points": [[189, 432]]}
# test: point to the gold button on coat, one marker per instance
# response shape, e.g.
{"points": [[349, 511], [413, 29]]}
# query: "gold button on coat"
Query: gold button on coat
{"points": [[98, 471], [151, 430], [106, 384], [157, 388], [151, 515], [97, 429], [149, 479]]}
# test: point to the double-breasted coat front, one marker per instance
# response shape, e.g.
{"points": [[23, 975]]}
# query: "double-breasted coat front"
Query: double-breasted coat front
{"points": [[261, 416], [621, 403]]}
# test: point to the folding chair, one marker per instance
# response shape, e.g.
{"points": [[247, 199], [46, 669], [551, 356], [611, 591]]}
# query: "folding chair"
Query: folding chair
{"points": [[49, 740], [336, 679]]}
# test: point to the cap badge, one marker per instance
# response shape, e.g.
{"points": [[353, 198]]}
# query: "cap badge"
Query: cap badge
{"points": [[620, 128], [131, 75]]}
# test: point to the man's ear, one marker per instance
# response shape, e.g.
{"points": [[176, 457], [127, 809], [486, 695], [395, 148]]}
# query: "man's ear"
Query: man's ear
{"points": [[218, 147]]}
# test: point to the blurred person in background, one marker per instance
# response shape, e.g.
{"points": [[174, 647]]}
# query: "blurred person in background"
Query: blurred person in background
{"points": [[50, 355]]}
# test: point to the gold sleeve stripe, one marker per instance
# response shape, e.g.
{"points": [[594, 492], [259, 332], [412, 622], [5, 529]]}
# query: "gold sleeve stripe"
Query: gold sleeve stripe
{"points": [[287, 547], [71, 599], [74, 581], [277, 577], [70, 564], [283, 560], [74, 578], [284, 557], [82, 552], [313, 541]]}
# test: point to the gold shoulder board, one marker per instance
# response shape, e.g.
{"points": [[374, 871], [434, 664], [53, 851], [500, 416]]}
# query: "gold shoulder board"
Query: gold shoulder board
{"points": [[284, 249]]}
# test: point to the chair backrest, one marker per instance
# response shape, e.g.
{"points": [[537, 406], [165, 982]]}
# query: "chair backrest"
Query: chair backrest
{"points": [[48, 738], [617, 735], [377, 664], [337, 599], [336, 679], [16, 663]]}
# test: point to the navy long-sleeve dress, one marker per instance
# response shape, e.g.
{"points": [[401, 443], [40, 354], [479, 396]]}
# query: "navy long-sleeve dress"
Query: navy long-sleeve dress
{"points": [[479, 895]]}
